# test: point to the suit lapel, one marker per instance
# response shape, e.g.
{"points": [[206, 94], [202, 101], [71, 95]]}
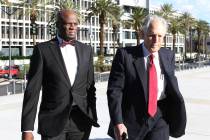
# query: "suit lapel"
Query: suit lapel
{"points": [[79, 58], [140, 69], [54, 47], [163, 57]]}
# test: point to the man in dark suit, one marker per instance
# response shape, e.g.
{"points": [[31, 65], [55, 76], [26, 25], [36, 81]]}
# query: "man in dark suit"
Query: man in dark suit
{"points": [[143, 95], [63, 68]]}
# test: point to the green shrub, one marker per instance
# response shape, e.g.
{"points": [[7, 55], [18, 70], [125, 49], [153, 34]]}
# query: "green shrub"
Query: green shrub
{"points": [[23, 70], [14, 57]]}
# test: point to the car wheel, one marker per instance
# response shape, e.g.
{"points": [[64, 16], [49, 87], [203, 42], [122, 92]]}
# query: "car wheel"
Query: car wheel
{"points": [[6, 75]]}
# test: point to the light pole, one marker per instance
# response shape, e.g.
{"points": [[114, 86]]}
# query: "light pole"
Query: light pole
{"points": [[9, 13], [10, 53], [91, 36]]}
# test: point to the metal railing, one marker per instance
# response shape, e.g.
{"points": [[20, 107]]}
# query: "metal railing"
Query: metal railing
{"points": [[16, 86], [193, 65], [12, 87]]}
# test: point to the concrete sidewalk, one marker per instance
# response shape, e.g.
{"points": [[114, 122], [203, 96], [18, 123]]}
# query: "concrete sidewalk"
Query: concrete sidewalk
{"points": [[194, 85]]}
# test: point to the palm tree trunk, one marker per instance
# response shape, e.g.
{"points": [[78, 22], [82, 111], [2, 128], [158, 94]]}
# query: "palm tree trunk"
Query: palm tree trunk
{"points": [[198, 45], [191, 42], [34, 39], [205, 47], [33, 21], [138, 37], [101, 37], [114, 40], [185, 46], [174, 41]]}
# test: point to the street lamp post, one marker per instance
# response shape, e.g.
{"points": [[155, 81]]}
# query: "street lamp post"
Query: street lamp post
{"points": [[90, 32], [9, 13], [10, 53], [190, 42]]}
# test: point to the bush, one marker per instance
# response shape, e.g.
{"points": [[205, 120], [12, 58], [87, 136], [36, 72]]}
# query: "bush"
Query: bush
{"points": [[14, 57], [23, 70], [102, 68]]}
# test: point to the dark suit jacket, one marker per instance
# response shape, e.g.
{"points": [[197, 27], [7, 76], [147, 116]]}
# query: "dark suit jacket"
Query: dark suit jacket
{"points": [[127, 92], [48, 71]]}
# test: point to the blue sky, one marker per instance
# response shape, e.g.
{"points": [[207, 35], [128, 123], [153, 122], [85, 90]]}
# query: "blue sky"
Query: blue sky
{"points": [[200, 9]]}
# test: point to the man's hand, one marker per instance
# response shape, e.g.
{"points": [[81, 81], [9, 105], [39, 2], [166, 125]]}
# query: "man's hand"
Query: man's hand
{"points": [[27, 136], [119, 129]]}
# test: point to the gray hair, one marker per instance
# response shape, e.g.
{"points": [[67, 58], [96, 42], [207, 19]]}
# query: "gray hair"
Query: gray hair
{"points": [[151, 18]]}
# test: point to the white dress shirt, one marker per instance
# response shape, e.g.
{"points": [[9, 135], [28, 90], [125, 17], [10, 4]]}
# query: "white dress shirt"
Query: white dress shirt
{"points": [[160, 77], [70, 60]]}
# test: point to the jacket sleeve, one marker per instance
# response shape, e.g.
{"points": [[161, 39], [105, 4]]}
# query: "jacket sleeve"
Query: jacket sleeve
{"points": [[176, 113], [32, 92], [91, 90], [115, 88]]}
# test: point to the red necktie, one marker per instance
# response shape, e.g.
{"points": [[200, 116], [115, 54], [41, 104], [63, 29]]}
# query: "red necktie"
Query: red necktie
{"points": [[152, 104], [64, 43]]}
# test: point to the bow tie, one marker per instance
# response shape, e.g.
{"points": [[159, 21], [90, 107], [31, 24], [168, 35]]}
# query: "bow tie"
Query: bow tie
{"points": [[64, 43]]}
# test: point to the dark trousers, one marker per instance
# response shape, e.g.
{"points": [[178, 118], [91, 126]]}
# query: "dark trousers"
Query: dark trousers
{"points": [[77, 127], [159, 132]]}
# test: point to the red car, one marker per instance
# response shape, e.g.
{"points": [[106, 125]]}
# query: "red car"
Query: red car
{"points": [[4, 72]]}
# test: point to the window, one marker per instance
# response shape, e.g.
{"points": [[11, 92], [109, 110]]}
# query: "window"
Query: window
{"points": [[176, 51], [133, 35], [7, 31], [42, 13], [14, 32], [20, 32], [127, 9], [127, 34], [181, 49], [42, 32], [3, 32], [3, 11], [27, 33]]}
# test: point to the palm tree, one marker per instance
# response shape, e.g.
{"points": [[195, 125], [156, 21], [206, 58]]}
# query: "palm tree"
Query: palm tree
{"points": [[200, 27], [62, 4], [206, 34], [174, 28], [33, 10], [34, 13], [104, 9], [137, 18], [10, 11], [186, 23], [65, 4], [166, 11], [5, 2], [116, 21]]}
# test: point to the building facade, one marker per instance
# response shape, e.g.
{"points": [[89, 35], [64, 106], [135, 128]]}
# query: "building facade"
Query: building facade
{"points": [[15, 27]]}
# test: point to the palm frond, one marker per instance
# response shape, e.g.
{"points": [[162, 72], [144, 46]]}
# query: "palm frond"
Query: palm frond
{"points": [[65, 5]]}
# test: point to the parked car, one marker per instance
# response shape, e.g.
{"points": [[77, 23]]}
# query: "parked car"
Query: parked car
{"points": [[4, 71]]}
